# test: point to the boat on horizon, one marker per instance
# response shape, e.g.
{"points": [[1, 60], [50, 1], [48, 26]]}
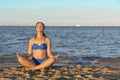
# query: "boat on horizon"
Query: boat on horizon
{"points": [[77, 25]]}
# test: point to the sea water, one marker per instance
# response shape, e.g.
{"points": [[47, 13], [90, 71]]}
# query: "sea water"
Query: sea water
{"points": [[66, 40]]}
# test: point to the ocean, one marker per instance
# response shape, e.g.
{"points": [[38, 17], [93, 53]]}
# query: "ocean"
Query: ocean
{"points": [[66, 40]]}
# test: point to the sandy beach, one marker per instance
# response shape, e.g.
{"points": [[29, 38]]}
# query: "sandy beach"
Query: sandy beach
{"points": [[71, 72], [105, 69]]}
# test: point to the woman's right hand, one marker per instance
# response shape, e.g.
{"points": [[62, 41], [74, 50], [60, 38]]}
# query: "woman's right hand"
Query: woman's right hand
{"points": [[26, 55], [18, 54]]}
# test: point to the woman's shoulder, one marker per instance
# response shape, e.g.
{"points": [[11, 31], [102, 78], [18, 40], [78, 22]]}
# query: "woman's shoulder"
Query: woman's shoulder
{"points": [[47, 39], [31, 39]]}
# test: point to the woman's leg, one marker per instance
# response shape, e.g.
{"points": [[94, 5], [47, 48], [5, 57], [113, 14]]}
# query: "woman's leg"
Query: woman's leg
{"points": [[46, 64], [25, 61]]}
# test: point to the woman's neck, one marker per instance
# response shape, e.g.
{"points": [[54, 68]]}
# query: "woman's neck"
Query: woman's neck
{"points": [[39, 35]]}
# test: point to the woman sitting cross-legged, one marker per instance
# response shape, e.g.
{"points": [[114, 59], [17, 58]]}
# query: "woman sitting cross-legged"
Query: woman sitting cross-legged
{"points": [[39, 47]]}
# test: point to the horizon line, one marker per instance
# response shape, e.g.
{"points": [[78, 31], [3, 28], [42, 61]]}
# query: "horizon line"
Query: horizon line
{"points": [[61, 25]]}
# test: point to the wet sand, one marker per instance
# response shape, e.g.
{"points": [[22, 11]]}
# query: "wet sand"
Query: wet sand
{"points": [[102, 70]]}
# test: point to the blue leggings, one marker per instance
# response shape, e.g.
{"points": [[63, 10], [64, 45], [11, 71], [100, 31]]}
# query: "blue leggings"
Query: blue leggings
{"points": [[37, 61]]}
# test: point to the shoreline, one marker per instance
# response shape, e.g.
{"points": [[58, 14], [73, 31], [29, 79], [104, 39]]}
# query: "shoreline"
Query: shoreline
{"points": [[102, 69], [66, 61]]}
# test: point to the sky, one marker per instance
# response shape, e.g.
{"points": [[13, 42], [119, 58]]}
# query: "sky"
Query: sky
{"points": [[60, 12]]}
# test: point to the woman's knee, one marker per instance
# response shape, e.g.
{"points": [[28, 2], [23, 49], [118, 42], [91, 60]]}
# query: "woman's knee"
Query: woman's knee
{"points": [[52, 59], [20, 60]]}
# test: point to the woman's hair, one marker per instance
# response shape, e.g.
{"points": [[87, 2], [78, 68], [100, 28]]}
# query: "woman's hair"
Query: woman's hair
{"points": [[43, 28]]}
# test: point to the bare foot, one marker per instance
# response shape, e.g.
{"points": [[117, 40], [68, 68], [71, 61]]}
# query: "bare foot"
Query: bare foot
{"points": [[24, 69], [28, 69], [42, 69]]}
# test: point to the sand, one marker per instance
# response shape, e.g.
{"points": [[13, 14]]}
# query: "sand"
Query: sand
{"points": [[71, 72], [103, 69]]}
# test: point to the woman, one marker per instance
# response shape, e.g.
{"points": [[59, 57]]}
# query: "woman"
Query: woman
{"points": [[39, 48]]}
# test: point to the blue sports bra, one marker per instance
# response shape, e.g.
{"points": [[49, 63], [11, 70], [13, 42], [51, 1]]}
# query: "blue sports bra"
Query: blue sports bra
{"points": [[43, 46]]}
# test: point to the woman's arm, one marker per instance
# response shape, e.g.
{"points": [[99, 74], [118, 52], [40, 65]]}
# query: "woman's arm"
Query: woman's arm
{"points": [[29, 52], [49, 51]]}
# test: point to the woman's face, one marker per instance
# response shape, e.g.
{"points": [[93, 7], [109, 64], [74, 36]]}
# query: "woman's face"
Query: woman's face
{"points": [[39, 27]]}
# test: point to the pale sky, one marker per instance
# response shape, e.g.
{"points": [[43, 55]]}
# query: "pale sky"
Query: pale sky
{"points": [[60, 12]]}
